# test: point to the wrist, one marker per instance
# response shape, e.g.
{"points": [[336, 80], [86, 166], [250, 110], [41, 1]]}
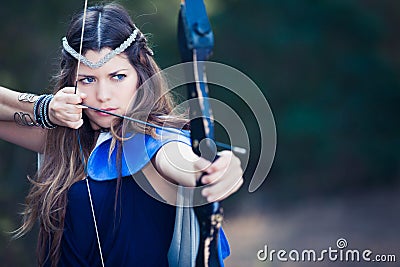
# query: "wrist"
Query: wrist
{"points": [[41, 112]]}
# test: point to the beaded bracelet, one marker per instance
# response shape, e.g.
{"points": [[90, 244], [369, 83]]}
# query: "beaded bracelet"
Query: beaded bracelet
{"points": [[36, 108], [41, 112], [46, 119]]}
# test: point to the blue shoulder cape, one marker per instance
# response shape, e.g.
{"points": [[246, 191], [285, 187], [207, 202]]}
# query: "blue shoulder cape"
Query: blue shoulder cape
{"points": [[137, 152]]}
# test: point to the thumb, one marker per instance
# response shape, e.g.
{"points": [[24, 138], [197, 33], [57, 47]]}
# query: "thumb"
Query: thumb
{"points": [[82, 95]]}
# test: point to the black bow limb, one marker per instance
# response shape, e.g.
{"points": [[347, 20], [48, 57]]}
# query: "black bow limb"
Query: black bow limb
{"points": [[196, 41]]}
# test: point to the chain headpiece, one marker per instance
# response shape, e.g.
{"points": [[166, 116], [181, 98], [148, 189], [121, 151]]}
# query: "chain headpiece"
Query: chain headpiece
{"points": [[107, 57]]}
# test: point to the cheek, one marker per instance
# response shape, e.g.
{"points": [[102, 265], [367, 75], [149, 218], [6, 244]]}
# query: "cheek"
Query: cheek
{"points": [[90, 114], [85, 91], [90, 97], [128, 95], [87, 112]]}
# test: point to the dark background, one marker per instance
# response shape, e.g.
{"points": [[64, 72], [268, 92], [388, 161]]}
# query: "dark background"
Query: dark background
{"points": [[330, 72]]}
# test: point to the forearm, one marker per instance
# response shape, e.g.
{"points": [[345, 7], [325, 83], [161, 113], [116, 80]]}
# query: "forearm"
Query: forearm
{"points": [[175, 162], [9, 104], [31, 138]]}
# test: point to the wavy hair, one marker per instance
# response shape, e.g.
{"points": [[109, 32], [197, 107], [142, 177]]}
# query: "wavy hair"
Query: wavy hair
{"points": [[61, 166]]}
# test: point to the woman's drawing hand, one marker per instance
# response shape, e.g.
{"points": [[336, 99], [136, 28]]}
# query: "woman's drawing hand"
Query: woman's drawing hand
{"points": [[64, 109], [223, 176]]}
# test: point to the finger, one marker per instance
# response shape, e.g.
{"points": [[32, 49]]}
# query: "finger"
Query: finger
{"points": [[218, 194], [218, 185], [68, 90], [71, 117], [73, 90], [59, 109], [82, 95], [227, 162], [75, 125], [65, 114], [222, 190], [69, 98], [224, 152], [222, 162], [75, 109], [213, 177]]}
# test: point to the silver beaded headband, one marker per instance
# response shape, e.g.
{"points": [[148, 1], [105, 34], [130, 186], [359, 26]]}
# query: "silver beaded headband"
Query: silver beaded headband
{"points": [[107, 57]]}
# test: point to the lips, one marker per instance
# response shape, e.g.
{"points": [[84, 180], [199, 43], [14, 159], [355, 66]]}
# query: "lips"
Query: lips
{"points": [[112, 110]]}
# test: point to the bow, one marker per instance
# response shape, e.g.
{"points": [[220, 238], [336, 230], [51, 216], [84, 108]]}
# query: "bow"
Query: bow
{"points": [[196, 41]]}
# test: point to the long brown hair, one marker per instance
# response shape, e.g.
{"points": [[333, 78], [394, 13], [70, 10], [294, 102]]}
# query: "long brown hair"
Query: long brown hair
{"points": [[62, 166]]}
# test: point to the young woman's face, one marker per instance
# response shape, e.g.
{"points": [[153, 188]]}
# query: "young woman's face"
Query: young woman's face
{"points": [[110, 87]]}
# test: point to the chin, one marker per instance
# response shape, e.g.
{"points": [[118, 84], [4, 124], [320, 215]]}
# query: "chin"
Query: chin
{"points": [[101, 124]]}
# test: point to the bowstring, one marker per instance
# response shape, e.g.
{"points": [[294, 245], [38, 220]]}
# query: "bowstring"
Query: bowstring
{"points": [[76, 84], [79, 138], [81, 45]]}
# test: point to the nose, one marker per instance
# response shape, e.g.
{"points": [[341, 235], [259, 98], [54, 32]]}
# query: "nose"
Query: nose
{"points": [[103, 92]]}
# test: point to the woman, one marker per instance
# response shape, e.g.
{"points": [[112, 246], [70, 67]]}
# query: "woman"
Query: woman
{"points": [[91, 212]]}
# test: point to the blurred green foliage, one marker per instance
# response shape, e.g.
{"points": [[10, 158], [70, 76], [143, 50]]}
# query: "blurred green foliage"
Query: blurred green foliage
{"points": [[328, 68]]}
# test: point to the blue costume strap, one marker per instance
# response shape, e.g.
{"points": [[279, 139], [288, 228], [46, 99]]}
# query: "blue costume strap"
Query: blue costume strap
{"points": [[223, 247], [137, 152]]}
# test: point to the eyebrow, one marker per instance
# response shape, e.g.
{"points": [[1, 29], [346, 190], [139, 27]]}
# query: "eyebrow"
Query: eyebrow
{"points": [[115, 72], [110, 74]]}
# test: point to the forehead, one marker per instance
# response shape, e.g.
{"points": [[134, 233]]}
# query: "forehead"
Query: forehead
{"points": [[119, 61]]}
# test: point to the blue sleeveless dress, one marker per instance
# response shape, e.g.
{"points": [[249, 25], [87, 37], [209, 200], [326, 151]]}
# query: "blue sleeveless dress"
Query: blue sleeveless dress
{"points": [[134, 229]]}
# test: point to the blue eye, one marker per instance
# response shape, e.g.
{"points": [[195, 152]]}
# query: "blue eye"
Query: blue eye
{"points": [[119, 77], [87, 80]]}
